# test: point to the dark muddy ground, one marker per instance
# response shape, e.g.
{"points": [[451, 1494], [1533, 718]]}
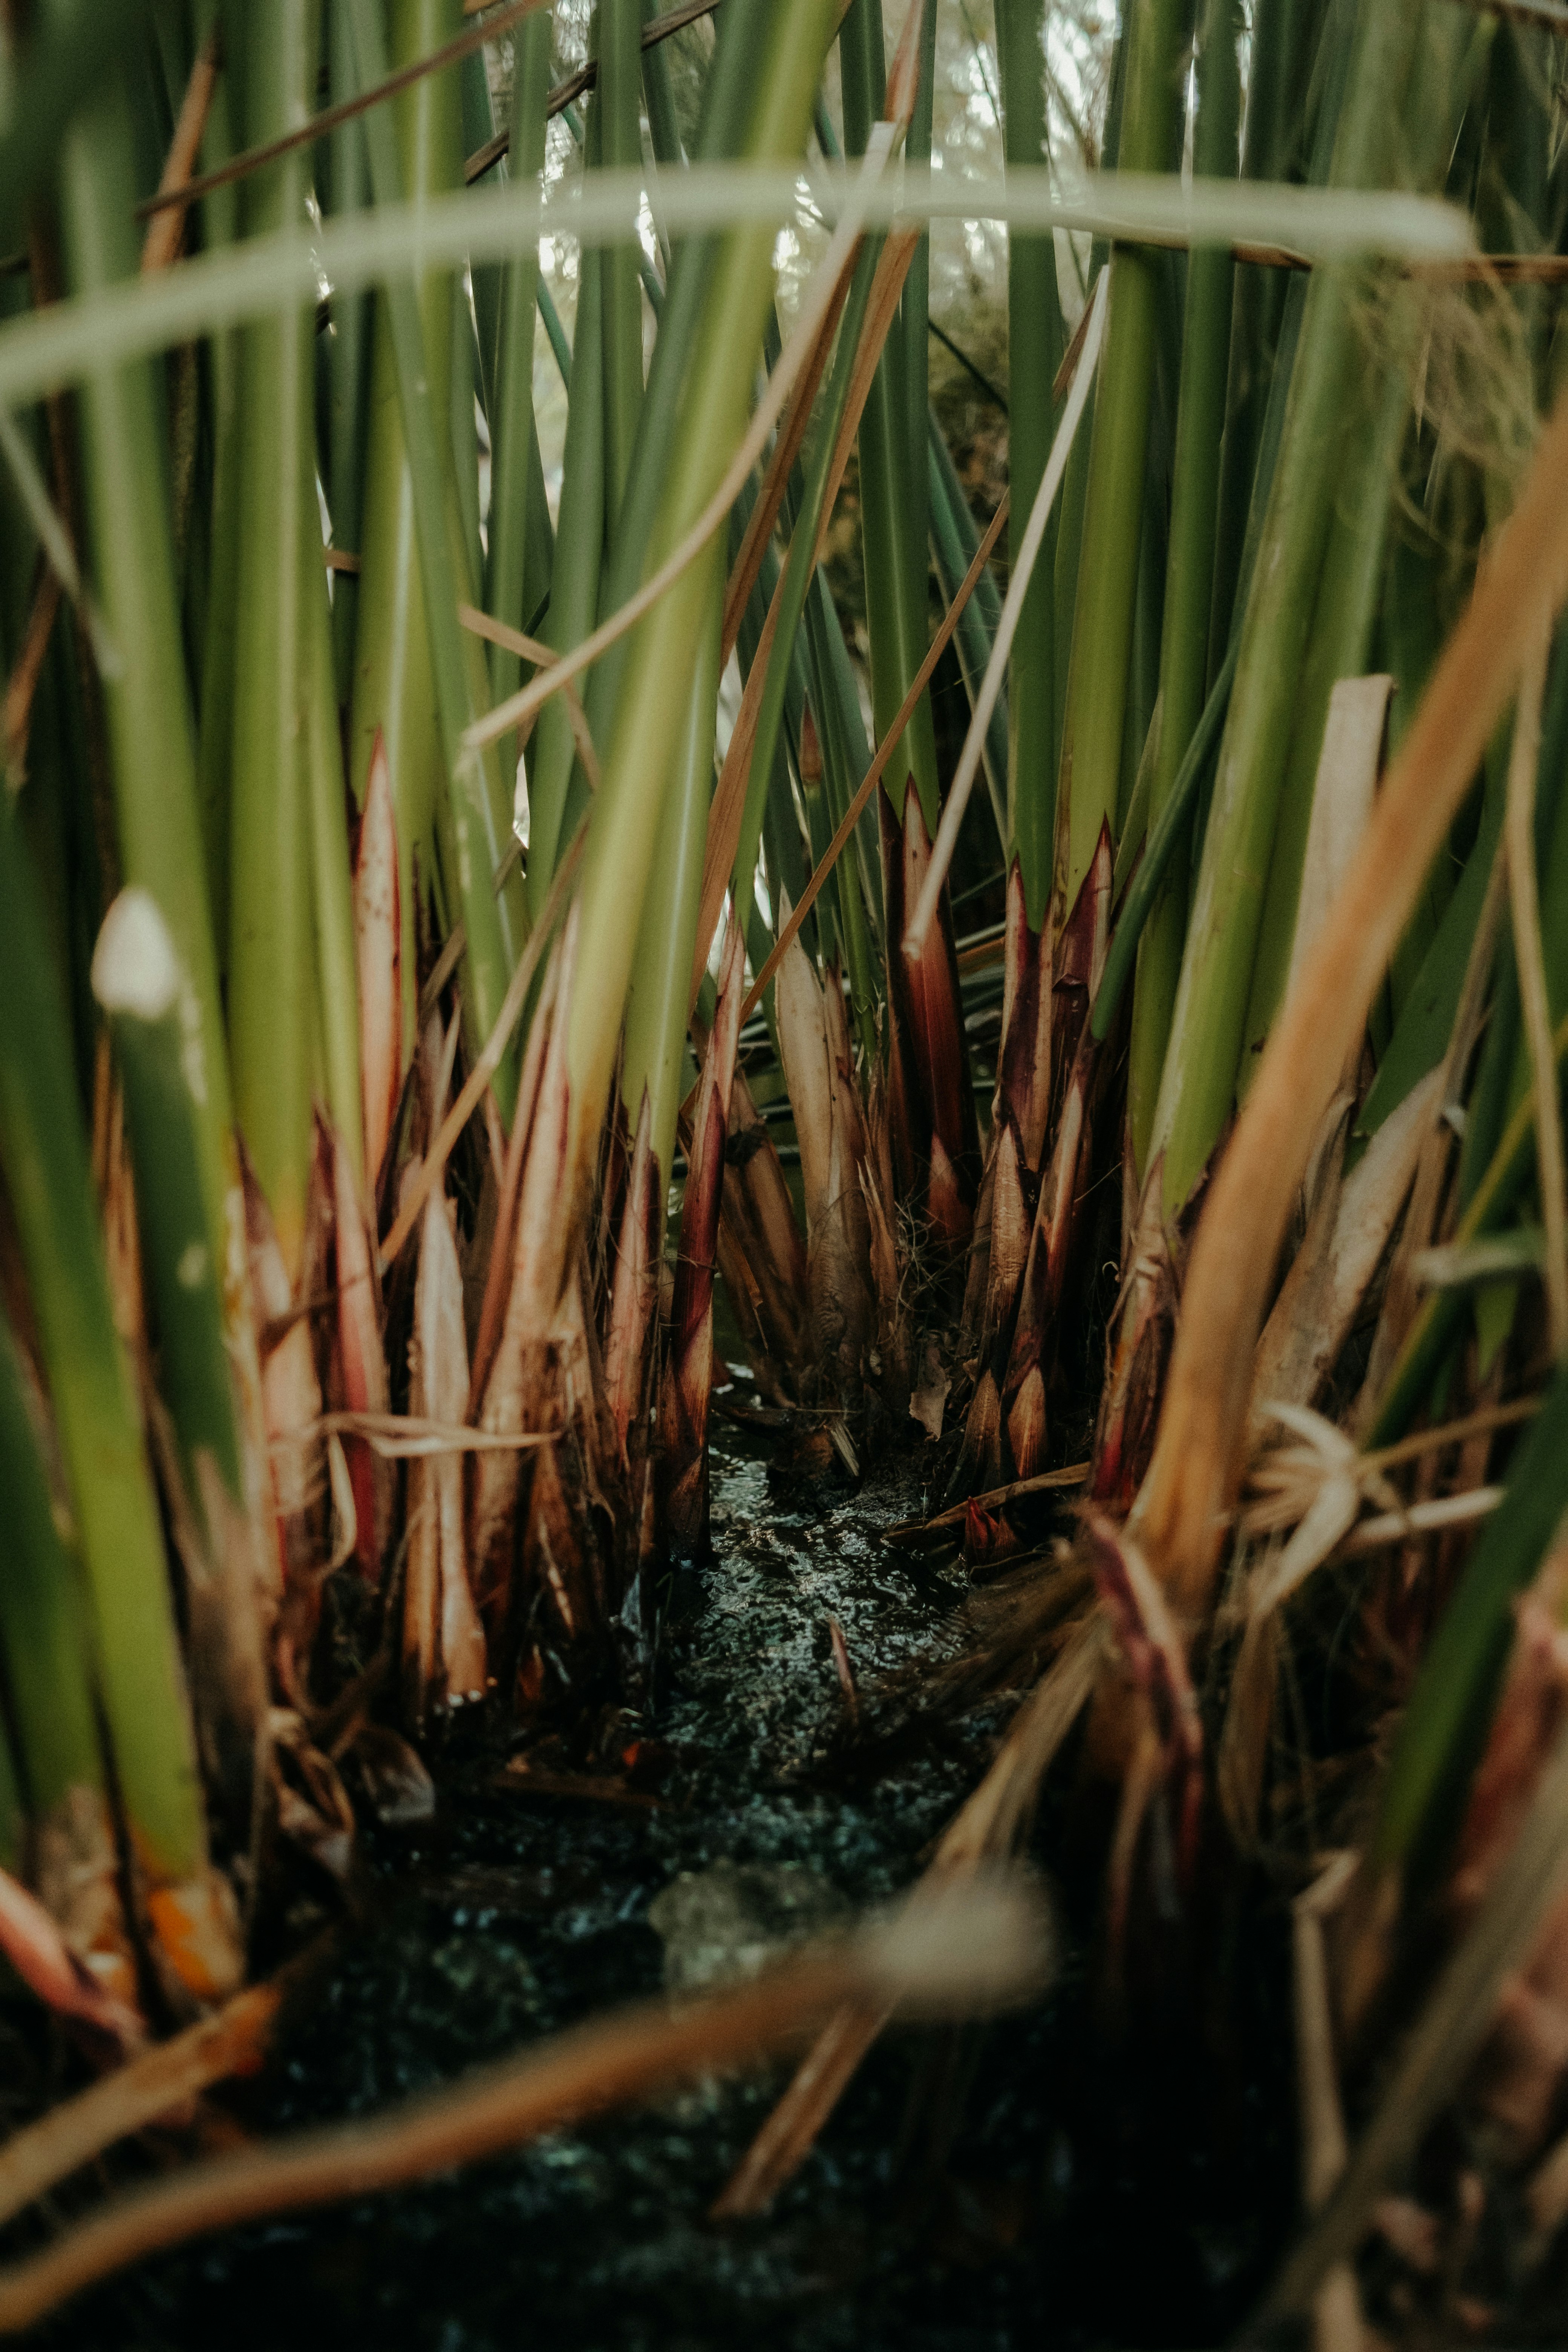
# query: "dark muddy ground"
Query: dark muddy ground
{"points": [[1089, 2194]]}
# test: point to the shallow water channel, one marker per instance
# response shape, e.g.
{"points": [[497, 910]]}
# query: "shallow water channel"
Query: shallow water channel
{"points": [[1026, 2184]]}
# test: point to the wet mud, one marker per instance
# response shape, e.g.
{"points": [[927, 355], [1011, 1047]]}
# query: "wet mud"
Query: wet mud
{"points": [[1038, 2182]]}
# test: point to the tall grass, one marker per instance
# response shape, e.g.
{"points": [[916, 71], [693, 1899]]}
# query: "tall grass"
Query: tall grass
{"points": [[374, 940]]}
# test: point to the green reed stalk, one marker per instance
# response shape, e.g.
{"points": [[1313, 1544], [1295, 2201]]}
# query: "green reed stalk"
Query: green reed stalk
{"points": [[146, 700], [1069, 520], [1441, 1313], [137, 980], [1411, 637], [1274, 147], [1094, 709], [270, 993], [954, 539], [782, 846], [466, 441], [479, 127], [348, 354], [845, 756], [914, 320], [336, 963], [220, 225], [1338, 647], [1155, 850], [1443, 1728], [783, 45], [44, 1159], [1095, 706], [556, 333], [726, 111], [895, 559], [659, 998], [43, 1632], [394, 686], [785, 844], [1516, 202], [1034, 343], [1425, 1021], [659, 98], [618, 106], [412, 503], [1379, 133], [799, 569], [1185, 645], [556, 786], [1504, 1073], [1153, 554], [13, 1820], [513, 440]]}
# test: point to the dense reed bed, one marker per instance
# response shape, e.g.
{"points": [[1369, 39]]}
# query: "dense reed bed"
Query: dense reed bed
{"points": [[507, 594]]}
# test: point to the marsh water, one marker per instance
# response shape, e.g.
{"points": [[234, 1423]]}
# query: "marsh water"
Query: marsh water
{"points": [[1039, 2182]]}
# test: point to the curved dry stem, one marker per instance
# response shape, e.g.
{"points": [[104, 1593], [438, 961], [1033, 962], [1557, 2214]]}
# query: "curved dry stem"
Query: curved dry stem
{"points": [[501, 632], [943, 1959], [156, 2083], [1181, 1510]]}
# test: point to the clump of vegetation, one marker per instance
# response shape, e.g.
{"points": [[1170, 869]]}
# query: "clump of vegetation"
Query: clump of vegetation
{"points": [[490, 868]]}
